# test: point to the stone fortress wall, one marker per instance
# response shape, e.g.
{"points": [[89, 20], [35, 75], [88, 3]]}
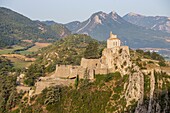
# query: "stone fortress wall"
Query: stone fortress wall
{"points": [[114, 58], [69, 71]]}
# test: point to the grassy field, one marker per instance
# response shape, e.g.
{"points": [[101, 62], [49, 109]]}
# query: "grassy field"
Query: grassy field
{"points": [[27, 52], [19, 63], [8, 51], [34, 48]]}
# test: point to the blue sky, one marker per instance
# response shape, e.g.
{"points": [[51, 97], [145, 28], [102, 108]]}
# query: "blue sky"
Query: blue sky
{"points": [[64, 11]]}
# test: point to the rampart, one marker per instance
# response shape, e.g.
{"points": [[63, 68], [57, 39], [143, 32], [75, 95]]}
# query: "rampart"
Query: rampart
{"points": [[112, 59]]}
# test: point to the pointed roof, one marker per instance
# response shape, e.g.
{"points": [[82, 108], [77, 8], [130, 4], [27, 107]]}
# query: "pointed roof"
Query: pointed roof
{"points": [[113, 37]]}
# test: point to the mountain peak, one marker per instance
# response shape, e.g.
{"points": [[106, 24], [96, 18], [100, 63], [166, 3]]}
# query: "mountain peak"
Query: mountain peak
{"points": [[98, 17], [113, 13], [134, 14], [97, 20], [100, 13]]}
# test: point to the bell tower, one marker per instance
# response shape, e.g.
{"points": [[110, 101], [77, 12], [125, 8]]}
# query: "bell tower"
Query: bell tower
{"points": [[113, 41]]}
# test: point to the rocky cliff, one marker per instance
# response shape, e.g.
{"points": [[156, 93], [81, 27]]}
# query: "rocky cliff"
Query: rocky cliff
{"points": [[145, 91]]}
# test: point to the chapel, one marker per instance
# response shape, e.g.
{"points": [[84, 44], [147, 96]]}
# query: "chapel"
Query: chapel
{"points": [[113, 41]]}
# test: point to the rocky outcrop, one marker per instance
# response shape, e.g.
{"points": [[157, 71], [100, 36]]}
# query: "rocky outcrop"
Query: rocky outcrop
{"points": [[135, 87], [152, 85], [116, 59], [158, 99]]}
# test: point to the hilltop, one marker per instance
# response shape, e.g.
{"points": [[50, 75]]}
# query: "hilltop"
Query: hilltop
{"points": [[15, 27], [139, 83]]}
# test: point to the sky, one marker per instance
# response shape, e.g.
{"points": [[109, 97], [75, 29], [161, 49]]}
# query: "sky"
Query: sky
{"points": [[64, 11]]}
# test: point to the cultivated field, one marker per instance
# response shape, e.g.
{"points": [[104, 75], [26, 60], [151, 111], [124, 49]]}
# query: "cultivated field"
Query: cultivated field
{"points": [[35, 48], [20, 60], [18, 63], [8, 51]]}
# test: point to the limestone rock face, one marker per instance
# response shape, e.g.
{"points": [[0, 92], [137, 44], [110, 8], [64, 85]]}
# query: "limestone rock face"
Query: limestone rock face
{"points": [[157, 101], [116, 59], [135, 87]]}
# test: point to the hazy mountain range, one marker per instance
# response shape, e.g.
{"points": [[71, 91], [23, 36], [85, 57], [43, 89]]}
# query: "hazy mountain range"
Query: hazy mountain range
{"points": [[133, 29], [161, 23], [100, 24]]}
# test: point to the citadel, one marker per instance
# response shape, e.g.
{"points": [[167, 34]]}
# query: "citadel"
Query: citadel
{"points": [[104, 65], [114, 58]]}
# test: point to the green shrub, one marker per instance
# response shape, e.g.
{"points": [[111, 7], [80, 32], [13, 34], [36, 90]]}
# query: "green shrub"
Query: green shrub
{"points": [[162, 63], [109, 77], [150, 62], [140, 51], [115, 97], [118, 89], [116, 76]]}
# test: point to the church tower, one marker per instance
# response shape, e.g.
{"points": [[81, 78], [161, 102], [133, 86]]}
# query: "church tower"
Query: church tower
{"points": [[113, 41]]}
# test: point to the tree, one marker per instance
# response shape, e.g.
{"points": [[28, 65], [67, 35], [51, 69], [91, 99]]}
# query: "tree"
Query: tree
{"points": [[156, 56], [12, 100], [77, 81], [91, 51], [34, 71], [2, 104], [53, 95], [140, 51]]}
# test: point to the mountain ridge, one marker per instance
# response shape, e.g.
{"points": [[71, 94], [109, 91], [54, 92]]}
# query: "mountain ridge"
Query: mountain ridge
{"points": [[18, 27], [161, 23], [100, 24]]}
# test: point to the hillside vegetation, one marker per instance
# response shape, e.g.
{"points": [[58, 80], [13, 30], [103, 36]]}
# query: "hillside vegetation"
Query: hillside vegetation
{"points": [[104, 95], [9, 97], [66, 51], [15, 27]]}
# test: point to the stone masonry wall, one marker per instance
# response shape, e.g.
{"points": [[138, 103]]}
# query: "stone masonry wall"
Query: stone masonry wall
{"points": [[113, 59]]}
